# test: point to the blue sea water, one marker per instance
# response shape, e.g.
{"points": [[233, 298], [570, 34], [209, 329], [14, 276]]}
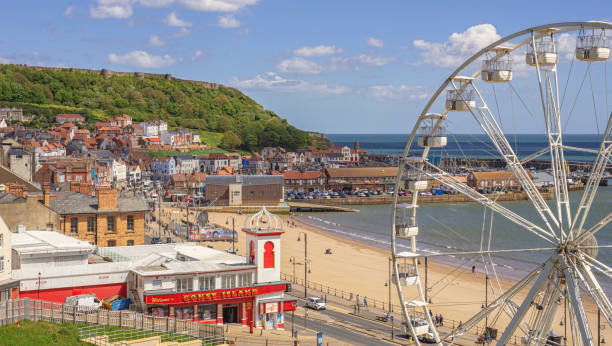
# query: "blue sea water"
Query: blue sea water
{"points": [[459, 226], [469, 145]]}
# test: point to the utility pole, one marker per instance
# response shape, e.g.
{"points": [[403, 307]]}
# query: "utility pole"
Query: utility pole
{"points": [[598, 327], [305, 266], [486, 301], [159, 212], [305, 263], [233, 241], [389, 280], [426, 289]]}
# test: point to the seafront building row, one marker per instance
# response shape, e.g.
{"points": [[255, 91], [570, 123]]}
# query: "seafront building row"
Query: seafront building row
{"points": [[181, 280]]}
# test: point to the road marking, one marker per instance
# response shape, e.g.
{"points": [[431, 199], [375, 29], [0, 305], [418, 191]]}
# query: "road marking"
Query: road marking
{"points": [[338, 309]]}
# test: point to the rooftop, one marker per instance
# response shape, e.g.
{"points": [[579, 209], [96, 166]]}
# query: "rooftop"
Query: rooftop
{"points": [[47, 241], [245, 180], [71, 202], [362, 172]]}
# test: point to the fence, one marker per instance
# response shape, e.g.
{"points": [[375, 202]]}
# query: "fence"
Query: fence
{"points": [[377, 304], [12, 311]]}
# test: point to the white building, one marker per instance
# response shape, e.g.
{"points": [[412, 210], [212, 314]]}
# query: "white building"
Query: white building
{"points": [[163, 169], [9, 288], [187, 164], [154, 128]]}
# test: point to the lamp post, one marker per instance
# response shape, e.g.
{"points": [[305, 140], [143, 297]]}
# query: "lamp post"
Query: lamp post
{"points": [[305, 262], [486, 301], [292, 261], [233, 231], [38, 294]]}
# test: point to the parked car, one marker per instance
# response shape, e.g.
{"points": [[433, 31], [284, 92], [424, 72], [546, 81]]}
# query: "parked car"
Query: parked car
{"points": [[156, 240], [316, 303]]}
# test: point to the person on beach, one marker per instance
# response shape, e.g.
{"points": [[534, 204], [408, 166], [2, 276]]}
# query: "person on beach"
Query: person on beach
{"points": [[365, 301], [473, 269], [357, 299], [441, 320]]}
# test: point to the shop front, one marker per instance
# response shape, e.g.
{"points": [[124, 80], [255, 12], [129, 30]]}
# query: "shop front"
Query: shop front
{"points": [[222, 306]]}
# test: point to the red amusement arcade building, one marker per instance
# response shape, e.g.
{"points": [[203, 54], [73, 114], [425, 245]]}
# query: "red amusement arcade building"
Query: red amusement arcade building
{"points": [[211, 286]]}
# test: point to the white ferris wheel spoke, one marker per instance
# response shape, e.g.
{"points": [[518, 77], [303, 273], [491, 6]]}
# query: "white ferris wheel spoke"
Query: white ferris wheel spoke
{"points": [[549, 96], [488, 124], [596, 264], [504, 298], [448, 180], [522, 310], [576, 305], [492, 252], [597, 172], [595, 290], [596, 228]]}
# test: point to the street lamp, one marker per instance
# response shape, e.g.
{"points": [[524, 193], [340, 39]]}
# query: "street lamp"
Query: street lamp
{"points": [[233, 231], [305, 262], [38, 294]]}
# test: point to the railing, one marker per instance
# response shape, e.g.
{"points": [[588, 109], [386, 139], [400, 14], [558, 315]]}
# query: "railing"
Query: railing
{"points": [[12, 311], [378, 304]]}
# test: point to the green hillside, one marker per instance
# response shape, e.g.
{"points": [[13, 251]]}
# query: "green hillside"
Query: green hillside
{"points": [[231, 119]]}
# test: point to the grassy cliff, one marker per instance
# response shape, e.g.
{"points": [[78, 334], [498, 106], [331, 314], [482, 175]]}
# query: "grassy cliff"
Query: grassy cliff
{"points": [[223, 115]]}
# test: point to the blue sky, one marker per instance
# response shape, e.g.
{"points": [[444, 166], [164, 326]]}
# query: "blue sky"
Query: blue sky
{"points": [[330, 66]]}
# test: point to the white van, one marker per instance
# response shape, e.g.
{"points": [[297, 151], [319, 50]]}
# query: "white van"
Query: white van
{"points": [[84, 302]]}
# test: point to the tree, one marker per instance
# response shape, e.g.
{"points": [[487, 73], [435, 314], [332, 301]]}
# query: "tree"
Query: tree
{"points": [[230, 140]]}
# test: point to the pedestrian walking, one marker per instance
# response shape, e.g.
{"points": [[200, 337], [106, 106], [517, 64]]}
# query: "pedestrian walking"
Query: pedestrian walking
{"points": [[358, 299], [365, 301], [430, 314], [441, 320], [473, 268]]}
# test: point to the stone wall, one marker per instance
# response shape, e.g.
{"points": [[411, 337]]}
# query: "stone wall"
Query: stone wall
{"points": [[30, 213]]}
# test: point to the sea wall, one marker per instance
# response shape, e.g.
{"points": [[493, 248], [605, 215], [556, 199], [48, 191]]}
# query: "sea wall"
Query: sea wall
{"points": [[109, 73], [446, 198]]}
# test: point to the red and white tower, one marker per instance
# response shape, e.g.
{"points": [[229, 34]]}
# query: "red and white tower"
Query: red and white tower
{"points": [[263, 231]]}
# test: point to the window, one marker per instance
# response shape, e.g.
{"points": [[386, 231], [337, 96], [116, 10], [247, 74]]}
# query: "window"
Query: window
{"points": [[74, 225], [268, 255], [1, 264], [1, 239], [244, 280], [111, 243], [156, 284], [207, 283], [184, 285], [130, 223], [228, 281], [130, 242], [110, 223], [91, 224], [207, 312]]}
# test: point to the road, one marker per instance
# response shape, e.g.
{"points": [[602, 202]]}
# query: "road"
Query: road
{"points": [[337, 323]]}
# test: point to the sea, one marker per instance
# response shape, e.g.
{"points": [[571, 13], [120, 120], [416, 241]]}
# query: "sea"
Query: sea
{"points": [[456, 227]]}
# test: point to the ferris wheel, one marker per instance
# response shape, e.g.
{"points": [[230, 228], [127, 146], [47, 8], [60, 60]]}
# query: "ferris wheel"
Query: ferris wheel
{"points": [[537, 73]]}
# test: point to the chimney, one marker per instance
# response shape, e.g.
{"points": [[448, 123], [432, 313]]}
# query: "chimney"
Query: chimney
{"points": [[107, 199], [46, 194], [16, 190]]}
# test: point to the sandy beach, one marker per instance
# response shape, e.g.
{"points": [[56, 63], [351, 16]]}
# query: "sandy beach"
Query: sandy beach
{"points": [[362, 269]]}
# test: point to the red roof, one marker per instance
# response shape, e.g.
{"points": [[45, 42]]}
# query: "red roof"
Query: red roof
{"points": [[294, 175]]}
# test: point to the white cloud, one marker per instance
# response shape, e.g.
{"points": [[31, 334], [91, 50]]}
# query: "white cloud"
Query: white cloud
{"points": [[142, 59], [174, 20], [300, 66], [155, 3], [156, 41], [458, 47], [198, 53], [375, 42], [181, 33], [228, 22], [320, 50], [272, 82], [69, 11], [402, 91], [216, 5], [566, 45], [4, 60], [119, 9], [359, 61]]}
